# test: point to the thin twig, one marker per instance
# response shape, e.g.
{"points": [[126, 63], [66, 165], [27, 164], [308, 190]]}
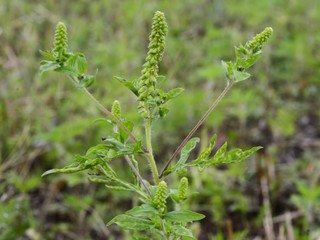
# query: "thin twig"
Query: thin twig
{"points": [[138, 175], [199, 123], [106, 111], [268, 223]]}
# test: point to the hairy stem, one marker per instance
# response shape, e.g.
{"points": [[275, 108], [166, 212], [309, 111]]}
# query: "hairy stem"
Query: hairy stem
{"points": [[199, 123], [150, 156], [106, 111]]}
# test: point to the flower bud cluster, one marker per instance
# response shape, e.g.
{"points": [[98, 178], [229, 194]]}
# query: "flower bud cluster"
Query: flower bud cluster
{"points": [[61, 42], [116, 109], [160, 197], [256, 43], [183, 188], [149, 73]]}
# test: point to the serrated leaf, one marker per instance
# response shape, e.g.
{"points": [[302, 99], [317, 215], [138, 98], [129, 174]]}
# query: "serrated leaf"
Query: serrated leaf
{"points": [[144, 210], [183, 216], [182, 231], [173, 93], [76, 167], [46, 66], [48, 55], [234, 156], [241, 76], [128, 222], [70, 169], [185, 153], [221, 151], [128, 84]]}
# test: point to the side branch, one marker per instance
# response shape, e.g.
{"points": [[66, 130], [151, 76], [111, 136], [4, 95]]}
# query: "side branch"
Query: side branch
{"points": [[199, 123]]}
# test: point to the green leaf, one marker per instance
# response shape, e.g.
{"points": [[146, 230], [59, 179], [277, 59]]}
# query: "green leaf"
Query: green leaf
{"points": [[183, 216], [252, 60], [144, 210], [240, 51], [128, 222], [118, 188], [81, 64], [48, 55], [123, 134], [234, 156], [128, 84], [78, 62], [163, 112], [161, 79], [46, 66], [173, 93], [182, 231], [221, 151], [185, 152], [86, 81], [76, 167], [100, 150], [241, 76], [67, 70], [228, 68]]}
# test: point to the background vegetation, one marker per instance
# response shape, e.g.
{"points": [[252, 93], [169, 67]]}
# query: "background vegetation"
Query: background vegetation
{"points": [[43, 123]]}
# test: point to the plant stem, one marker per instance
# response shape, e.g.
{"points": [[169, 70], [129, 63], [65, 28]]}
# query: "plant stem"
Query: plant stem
{"points": [[199, 123], [149, 147], [137, 174], [106, 111]]}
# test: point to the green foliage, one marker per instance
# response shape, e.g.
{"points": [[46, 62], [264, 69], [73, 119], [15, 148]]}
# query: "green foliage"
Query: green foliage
{"points": [[154, 215], [246, 56], [275, 110]]}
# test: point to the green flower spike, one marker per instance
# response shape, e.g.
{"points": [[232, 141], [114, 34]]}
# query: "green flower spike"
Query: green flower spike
{"points": [[257, 42], [116, 109], [183, 188], [147, 81], [161, 195], [61, 43]]}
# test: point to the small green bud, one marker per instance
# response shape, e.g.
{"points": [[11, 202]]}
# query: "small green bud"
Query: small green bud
{"points": [[183, 188], [116, 109], [61, 42], [257, 42], [159, 200]]}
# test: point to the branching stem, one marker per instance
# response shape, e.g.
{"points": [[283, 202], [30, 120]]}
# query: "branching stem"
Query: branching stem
{"points": [[138, 175], [106, 111], [199, 123]]}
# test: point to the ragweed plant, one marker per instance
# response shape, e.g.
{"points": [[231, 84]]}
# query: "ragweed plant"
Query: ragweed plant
{"points": [[154, 217]]}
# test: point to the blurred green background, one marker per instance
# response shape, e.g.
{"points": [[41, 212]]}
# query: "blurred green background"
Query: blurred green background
{"points": [[44, 122]]}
